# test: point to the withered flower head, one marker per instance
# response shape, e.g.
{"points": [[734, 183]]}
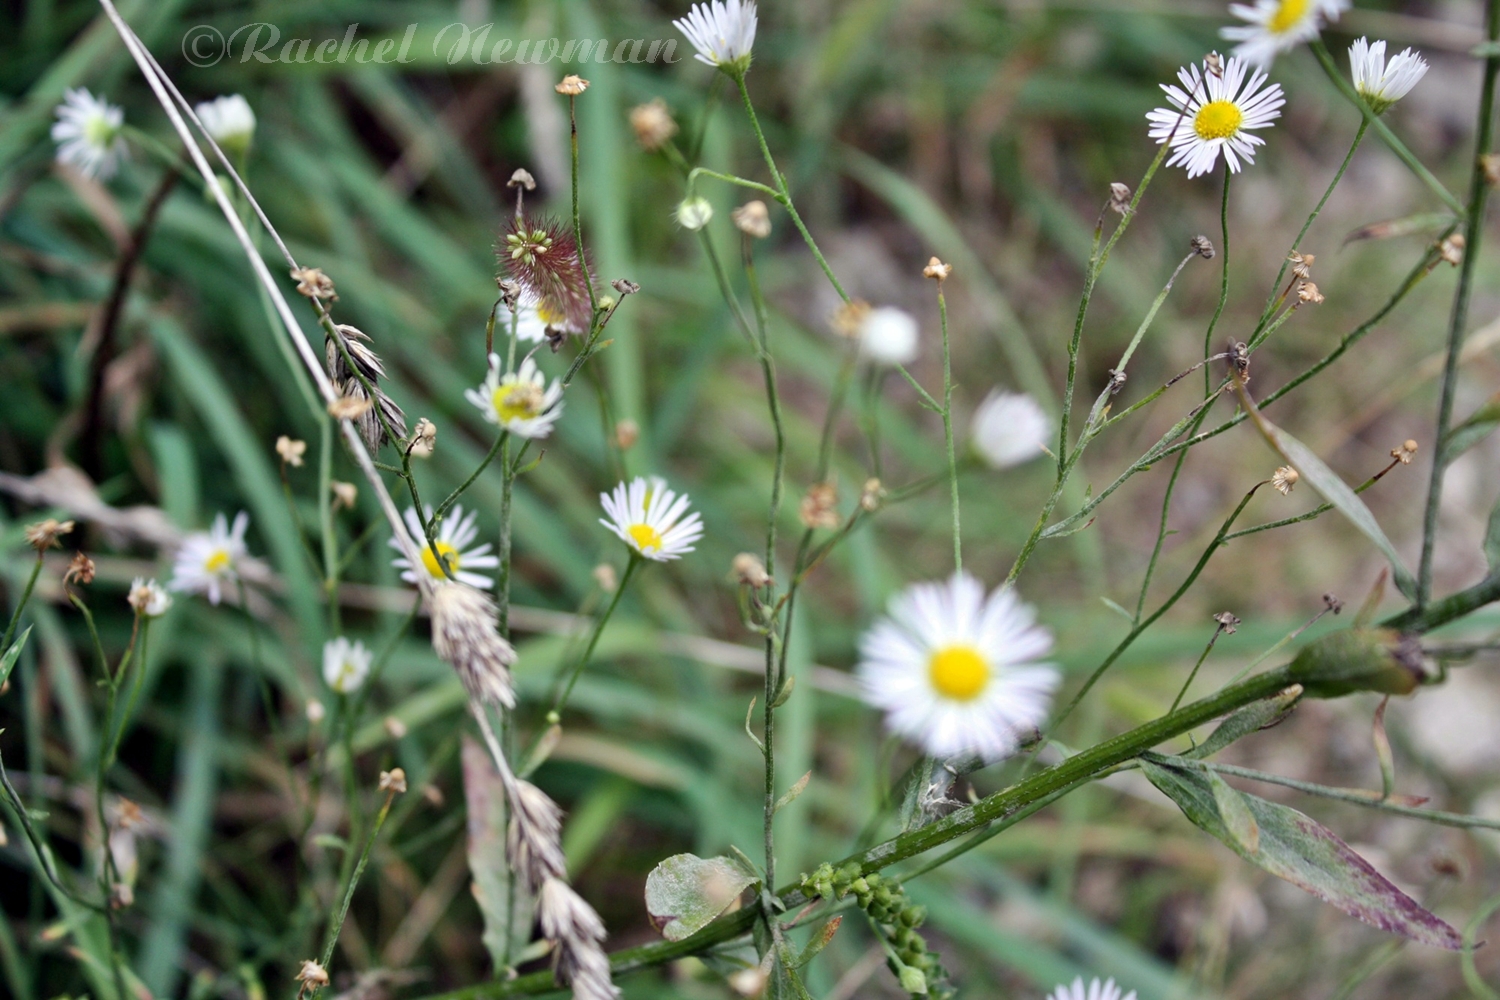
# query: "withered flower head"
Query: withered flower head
{"points": [[1490, 164], [872, 495], [44, 535], [291, 450], [624, 286], [937, 270], [1307, 291], [1214, 63], [393, 781], [522, 178], [849, 318], [1284, 479], [1406, 452], [750, 571], [1228, 623], [349, 408], [424, 438], [1119, 198], [572, 85], [542, 257], [344, 494], [1302, 264], [1202, 246], [653, 124], [819, 508], [753, 219], [367, 364], [1452, 249], [313, 283], [312, 976], [80, 570]]}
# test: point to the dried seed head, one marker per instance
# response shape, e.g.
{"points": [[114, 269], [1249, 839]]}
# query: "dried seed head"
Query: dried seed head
{"points": [[572, 85], [624, 286], [44, 535], [394, 727], [345, 374], [424, 438], [1284, 479], [627, 433], [753, 219], [1117, 381], [344, 494], [1406, 452], [937, 270], [312, 976], [750, 571], [315, 711], [653, 124], [532, 841], [819, 508], [1302, 264], [1214, 63], [313, 283], [1490, 164], [606, 577], [1119, 198], [1452, 249], [871, 495], [521, 178], [1332, 603], [1239, 359], [291, 451], [693, 213], [1228, 623], [393, 781], [1202, 246], [1307, 291], [465, 637], [543, 258], [849, 318], [80, 570], [578, 958], [349, 408]]}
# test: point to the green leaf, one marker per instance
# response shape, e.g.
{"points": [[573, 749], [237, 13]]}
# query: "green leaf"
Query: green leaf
{"points": [[1492, 540], [1255, 716], [1480, 425], [685, 892], [1235, 813], [1111, 605], [8, 661], [793, 792], [506, 908], [1302, 851]]}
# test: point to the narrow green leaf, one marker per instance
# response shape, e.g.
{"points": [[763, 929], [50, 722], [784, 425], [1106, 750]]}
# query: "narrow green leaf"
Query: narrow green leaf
{"points": [[685, 892], [8, 661], [1480, 425], [1111, 605], [1492, 540], [1235, 813], [793, 792], [1255, 716], [1302, 851], [1383, 751]]}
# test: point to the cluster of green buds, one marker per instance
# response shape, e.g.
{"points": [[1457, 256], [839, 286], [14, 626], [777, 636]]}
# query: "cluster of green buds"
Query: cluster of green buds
{"points": [[895, 919]]}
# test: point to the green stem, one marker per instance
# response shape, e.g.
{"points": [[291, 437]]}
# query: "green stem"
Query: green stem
{"points": [[489, 457], [958, 554], [1208, 334], [1479, 190], [502, 577], [588, 650], [583, 260], [337, 924], [1193, 674], [15, 618], [325, 522]]}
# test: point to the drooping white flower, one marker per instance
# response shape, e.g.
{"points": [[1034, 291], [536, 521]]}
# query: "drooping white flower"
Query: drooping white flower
{"points": [[229, 120], [87, 133], [1215, 112], [148, 598], [955, 671], [518, 401], [888, 336], [1274, 26], [345, 664], [208, 561], [722, 32], [651, 519], [1383, 83], [1095, 990], [452, 536], [532, 320], [1009, 428]]}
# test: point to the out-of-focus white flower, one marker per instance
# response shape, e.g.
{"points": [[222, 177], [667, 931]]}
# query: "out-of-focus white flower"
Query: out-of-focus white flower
{"points": [[532, 320], [87, 133], [210, 560], [229, 120], [955, 671], [453, 535], [1274, 26], [651, 519], [1380, 82], [1095, 990], [148, 598], [519, 401], [1009, 428], [888, 336], [345, 664], [723, 33], [694, 213], [1217, 111]]}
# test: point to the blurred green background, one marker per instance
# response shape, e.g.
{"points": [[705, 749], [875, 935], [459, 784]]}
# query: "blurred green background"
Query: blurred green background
{"points": [[984, 132]]}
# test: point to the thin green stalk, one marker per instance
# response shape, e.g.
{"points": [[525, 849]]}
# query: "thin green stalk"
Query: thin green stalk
{"points": [[15, 618], [1479, 190], [1193, 674], [502, 577], [583, 259], [325, 522], [1161, 536], [1317, 511], [958, 554], [588, 650], [773, 404], [489, 457], [337, 924], [1208, 334]]}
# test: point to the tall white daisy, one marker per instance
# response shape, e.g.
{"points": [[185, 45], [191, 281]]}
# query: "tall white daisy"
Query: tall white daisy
{"points": [[1095, 990], [888, 336], [1274, 26], [955, 671], [209, 561], [651, 519], [453, 535], [345, 664], [518, 401], [1009, 428], [1383, 83], [1216, 112], [229, 120], [723, 33], [148, 598], [87, 133]]}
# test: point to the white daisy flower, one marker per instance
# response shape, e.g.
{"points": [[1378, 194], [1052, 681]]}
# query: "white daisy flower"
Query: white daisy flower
{"points": [[1383, 83], [888, 336], [1274, 26], [721, 32], [208, 561], [1009, 428], [345, 664], [518, 401], [1095, 990], [148, 598], [651, 519], [1215, 112], [955, 671], [453, 535], [87, 133], [532, 320], [229, 120]]}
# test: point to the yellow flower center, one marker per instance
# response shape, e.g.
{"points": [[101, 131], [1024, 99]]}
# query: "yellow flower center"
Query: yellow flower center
{"points": [[98, 132], [646, 537], [958, 672], [1287, 15], [550, 314], [1218, 120], [517, 401], [446, 552], [217, 561]]}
